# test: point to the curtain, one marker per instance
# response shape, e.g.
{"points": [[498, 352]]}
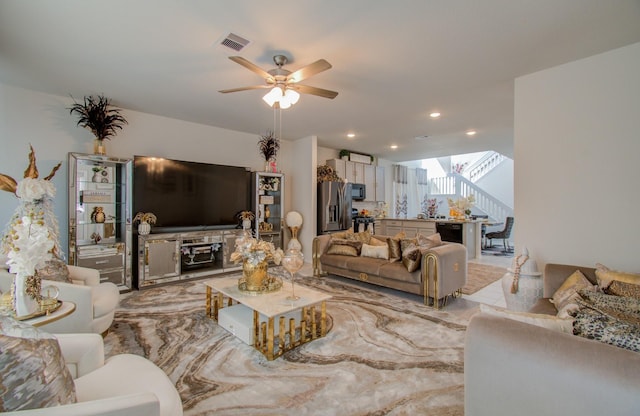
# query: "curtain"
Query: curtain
{"points": [[410, 190], [399, 188], [422, 189]]}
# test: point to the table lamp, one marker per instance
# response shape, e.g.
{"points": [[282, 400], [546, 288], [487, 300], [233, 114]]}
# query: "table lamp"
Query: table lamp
{"points": [[294, 222]]}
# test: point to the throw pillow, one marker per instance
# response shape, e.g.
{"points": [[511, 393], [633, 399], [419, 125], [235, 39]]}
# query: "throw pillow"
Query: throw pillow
{"points": [[592, 324], [344, 247], [395, 253], [618, 288], [431, 241], [377, 242], [618, 307], [545, 321], [364, 236], [567, 294], [411, 257], [55, 270], [343, 234], [605, 276], [407, 242], [376, 252], [34, 374]]}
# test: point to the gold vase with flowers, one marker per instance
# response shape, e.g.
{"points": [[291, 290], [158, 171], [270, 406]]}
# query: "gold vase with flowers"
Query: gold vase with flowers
{"points": [[255, 255]]}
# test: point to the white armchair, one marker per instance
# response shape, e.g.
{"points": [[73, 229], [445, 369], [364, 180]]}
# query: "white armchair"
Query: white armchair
{"points": [[124, 384], [95, 302]]}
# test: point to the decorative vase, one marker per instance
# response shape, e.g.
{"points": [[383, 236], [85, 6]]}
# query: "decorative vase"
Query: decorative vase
{"points": [[255, 275], [24, 303], [144, 228], [95, 177], [246, 224], [99, 147], [522, 284]]}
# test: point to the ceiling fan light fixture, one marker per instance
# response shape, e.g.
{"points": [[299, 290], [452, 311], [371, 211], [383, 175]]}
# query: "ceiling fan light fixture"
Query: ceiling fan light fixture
{"points": [[273, 96], [292, 96]]}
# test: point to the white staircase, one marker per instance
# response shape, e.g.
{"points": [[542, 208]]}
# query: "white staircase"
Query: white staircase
{"points": [[456, 186]]}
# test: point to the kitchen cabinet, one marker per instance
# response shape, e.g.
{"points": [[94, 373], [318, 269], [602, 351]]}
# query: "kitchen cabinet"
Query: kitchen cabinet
{"points": [[380, 187], [370, 182]]}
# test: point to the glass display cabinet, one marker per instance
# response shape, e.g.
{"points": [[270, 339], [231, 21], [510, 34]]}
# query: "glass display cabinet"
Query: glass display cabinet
{"points": [[100, 196], [268, 205]]}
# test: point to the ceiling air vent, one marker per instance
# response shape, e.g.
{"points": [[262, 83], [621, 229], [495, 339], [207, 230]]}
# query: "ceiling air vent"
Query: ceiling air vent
{"points": [[235, 42]]}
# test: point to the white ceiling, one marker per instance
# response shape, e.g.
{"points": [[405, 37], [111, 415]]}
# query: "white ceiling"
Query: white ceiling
{"points": [[393, 62]]}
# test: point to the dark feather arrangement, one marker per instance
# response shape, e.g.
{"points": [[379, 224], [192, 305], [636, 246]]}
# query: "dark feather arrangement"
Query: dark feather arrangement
{"points": [[269, 145], [97, 115]]}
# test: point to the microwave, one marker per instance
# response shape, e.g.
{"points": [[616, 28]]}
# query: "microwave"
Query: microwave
{"points": [[358, 191]]}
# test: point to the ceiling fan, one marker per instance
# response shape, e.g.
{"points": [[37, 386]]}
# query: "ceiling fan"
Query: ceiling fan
{"points": [[284, 83]]}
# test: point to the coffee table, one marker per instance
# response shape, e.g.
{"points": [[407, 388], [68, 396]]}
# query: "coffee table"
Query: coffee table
{"points": [[303, 326]]}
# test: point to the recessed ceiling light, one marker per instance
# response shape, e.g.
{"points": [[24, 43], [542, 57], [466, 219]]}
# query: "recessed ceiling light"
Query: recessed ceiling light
{"points": [[471, 133], [394, 146], [434, 115], [351, 135]]}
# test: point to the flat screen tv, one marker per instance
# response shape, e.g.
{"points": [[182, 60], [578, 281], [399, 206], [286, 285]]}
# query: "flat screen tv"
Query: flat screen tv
{"points": [[190, 195]]}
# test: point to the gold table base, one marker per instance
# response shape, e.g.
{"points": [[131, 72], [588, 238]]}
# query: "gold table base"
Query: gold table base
{"points": [[307, 328]]}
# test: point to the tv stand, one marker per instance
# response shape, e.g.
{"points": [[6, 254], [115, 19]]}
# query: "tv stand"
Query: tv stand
{"points": [[177, 256]]}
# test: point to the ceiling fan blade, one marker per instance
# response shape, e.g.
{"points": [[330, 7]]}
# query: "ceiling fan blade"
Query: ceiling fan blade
{"points": [[253, 87], [314, 91], [252, 67], [309, 70]]}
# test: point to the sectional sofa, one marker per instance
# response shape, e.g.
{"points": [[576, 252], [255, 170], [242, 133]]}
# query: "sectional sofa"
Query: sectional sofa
{"points": [[516, 368]]}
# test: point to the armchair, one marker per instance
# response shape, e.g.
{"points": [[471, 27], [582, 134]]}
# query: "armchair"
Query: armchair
{"points": [[95, 302], [124, 384]]}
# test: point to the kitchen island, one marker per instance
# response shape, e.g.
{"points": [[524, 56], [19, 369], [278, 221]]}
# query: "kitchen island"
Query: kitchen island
{"points": [[466, 232]]}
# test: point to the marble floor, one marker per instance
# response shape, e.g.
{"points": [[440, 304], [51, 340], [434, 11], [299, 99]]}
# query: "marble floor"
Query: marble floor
{"points": [[491, 294]]}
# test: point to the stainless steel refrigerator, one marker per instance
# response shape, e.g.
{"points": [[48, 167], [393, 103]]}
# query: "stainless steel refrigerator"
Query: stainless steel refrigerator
{"points": [[334, 207]]}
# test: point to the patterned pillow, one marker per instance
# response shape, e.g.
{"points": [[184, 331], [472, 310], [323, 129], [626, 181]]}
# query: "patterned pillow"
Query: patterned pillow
{"points": [[376, 242], [34, 374], [567, 294], [592, 324], [348, 234], [395, 253], [364, 236], [431, 241], [618, 288], [605, 276], [618, 307], [411, 257], [55, 270], [405, 243], [376, 252], [345, 247]]}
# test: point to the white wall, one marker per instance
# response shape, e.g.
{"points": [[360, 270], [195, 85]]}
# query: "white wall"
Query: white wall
{"points": [[43, 120], [499, 182], [576, 152]]}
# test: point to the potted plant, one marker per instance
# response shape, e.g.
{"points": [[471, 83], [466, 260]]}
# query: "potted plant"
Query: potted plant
{"points": [[344, 154], [98, 115], [269, 145]]}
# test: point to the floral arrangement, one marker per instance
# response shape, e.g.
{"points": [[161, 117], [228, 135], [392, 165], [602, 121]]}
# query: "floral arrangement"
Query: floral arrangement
{"points": [[432, 207], [255, 251], [32, 237], [325, 173], [148, 217], [97, 115], [269, 145], [246, 215], [462, 204]]}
